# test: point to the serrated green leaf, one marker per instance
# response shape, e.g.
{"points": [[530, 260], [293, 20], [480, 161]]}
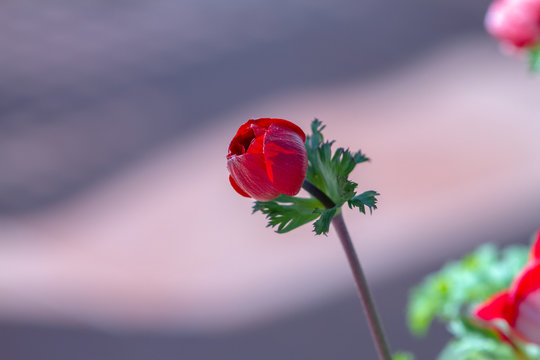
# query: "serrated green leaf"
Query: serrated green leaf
{"points": [[322, 225], [287, 212], [328, 171], [316, 137], [360, 158], [367, 198]]}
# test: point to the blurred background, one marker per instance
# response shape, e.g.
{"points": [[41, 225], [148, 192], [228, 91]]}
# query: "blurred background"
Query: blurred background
{"points": [[120, 237]]}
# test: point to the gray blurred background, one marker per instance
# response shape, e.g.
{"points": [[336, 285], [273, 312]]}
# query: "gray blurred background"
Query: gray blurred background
{"points": [[88, 87], [94, 93]]}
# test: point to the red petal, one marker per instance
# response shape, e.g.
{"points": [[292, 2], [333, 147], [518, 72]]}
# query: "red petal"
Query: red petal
{"points": [[238, 188], [527, 282], [246, 133], [249, 173], [266, 122], [241, 140], [286, 159], [497, 307], [257, 144]]}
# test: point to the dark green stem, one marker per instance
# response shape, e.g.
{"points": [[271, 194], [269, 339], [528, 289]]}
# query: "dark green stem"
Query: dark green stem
{"points": [[361, 283], [318, 194]]}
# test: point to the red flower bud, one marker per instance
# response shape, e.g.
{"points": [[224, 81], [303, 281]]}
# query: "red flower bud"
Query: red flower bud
{"points": [[267, 157], [514, 22]]}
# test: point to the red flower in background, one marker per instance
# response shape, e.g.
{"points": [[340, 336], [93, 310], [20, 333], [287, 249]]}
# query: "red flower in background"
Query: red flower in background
{"points": [[518, 306], [267, 157], [515, 22]]}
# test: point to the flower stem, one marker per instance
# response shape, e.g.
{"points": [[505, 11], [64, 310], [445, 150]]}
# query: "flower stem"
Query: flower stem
{"points": [[363, 289], [318, 194], [361, 283]]}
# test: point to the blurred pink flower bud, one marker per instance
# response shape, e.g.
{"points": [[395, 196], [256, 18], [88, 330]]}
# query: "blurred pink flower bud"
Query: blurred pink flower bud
{"points": [[514, 22]]}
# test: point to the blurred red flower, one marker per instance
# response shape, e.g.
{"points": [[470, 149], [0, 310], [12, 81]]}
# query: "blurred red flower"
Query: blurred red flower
{"points": [[514, 22], [519, 305], [267, 157]]}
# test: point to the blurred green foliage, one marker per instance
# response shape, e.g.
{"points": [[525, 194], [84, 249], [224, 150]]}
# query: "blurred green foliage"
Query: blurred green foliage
{"points": [[534, 59], [402, 356], [449, 295]]}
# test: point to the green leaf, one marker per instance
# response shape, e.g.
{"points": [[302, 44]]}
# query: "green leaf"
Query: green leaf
{"points": [[367, 198], [360, 158], [287, 212], [477, 347], [531, 351], [322, 226], [403, 356], [329, 171], [534, 59]]}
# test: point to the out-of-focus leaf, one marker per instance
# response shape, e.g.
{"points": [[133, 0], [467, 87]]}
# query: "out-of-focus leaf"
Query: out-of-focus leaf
{"points": [[462, 284], [403, 356], [449, 294], [475, 347], [534, 58]]}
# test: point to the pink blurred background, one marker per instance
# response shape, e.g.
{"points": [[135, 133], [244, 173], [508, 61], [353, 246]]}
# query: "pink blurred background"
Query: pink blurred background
{"points": [[120, 237]]}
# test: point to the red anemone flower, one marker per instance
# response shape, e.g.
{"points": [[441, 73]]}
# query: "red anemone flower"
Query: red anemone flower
{"points": [[519, 305], [267, 157]]}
